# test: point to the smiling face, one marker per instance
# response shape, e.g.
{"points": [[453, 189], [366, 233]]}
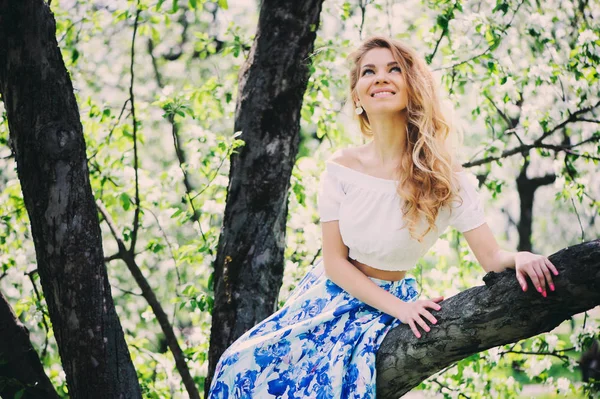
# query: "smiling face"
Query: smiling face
{"points": [[380, 87]]}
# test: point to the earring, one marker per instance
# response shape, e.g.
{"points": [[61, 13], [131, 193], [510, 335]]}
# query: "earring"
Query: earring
{"points": [[358, 110]]}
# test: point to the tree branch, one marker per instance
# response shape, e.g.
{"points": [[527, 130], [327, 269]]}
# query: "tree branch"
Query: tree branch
{"points": [[21, 367], [136, 216], [161, 316], [487, 316]]}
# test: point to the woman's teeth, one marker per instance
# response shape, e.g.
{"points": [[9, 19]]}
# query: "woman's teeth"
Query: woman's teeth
{"points": [[383, 94]]}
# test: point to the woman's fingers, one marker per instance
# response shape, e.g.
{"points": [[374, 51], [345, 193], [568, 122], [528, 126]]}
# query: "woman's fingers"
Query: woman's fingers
{"points": [[534, 278], [540, 273], [413, 327], [548, 276], [415, 319], [424, 312], [522, 281], [551, 266], [422, 323], [432, 303]]}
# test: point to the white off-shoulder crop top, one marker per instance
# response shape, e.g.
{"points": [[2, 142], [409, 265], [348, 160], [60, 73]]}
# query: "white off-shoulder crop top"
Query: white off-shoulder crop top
{"points": [[370, 216]]}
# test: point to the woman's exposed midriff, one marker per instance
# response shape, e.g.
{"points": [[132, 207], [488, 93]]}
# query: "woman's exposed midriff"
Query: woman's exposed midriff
{"points": [[378, 273]]}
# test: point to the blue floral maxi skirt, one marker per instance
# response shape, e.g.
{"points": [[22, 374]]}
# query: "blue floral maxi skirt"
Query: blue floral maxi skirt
{"points": [[321, 344]]}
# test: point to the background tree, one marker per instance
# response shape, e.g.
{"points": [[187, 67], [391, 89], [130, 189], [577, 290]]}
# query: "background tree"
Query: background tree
{"points": [[249, 264], [47, 140]]}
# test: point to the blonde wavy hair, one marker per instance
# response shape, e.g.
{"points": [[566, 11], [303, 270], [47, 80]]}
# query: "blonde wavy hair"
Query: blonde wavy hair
{"points": [[426, 180]]}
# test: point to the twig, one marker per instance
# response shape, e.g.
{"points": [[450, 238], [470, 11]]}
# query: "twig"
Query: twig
{"points": [[41, 309], [487, 49], [564, 358], [148, 293], [136, 216], [126, 291], [578, 219]]}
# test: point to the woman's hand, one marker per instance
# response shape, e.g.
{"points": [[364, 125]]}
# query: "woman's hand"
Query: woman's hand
{"points": [[538, 268], [412, 313]]}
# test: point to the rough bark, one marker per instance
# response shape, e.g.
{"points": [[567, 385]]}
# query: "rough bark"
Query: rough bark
{"points": [[249, 263], [20, 365], [482, 317], [526, 188], [47, 139]]}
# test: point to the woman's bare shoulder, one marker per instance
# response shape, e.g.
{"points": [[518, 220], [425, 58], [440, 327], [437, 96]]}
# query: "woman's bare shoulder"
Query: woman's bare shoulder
{"points": [[345, 157]]}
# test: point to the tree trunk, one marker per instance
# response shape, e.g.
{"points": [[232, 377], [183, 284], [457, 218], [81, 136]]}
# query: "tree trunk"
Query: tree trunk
{"points": [[249, 263], [483, 317], [20, 365], [526, 188], [47, 139]]}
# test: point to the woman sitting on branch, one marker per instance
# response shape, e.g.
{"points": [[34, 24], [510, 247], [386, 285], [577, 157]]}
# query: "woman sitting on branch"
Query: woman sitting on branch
{"points": [[382, 205]]}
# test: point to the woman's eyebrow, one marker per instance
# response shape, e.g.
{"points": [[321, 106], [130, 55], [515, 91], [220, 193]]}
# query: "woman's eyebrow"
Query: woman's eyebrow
{"points": [[373, 66]]}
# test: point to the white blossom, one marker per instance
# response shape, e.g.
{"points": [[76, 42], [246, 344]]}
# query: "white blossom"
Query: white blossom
{"points": [[563, 384], [214, 207], [542, 71], [551, 340], [538, 366], [587, 36]]}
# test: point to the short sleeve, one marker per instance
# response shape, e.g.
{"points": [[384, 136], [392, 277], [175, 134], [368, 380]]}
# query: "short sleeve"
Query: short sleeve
{"points": [[469, 214], [329, 197]]}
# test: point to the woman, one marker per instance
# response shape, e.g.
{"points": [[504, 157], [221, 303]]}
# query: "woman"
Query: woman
{"points": [[322, 342]]}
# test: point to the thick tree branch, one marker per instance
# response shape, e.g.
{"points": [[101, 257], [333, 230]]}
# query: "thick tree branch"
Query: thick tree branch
{"points": [[483, 317], [21, 367], [249, 262]]}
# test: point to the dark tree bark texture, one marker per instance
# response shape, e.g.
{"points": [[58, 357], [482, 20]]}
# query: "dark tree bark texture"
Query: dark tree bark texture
{"points": [[526, 188], [482, 317], [249, 263], [47, 139], [20, 366]]}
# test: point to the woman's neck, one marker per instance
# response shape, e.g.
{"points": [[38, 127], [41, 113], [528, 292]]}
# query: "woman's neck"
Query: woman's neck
{"points": [[389, 139]]}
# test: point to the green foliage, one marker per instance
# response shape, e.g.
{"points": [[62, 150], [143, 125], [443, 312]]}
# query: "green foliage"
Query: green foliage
{"points": [[512, 70]]}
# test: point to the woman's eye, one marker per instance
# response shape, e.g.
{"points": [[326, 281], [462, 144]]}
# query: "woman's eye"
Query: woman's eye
{"points": [[371, 71]]}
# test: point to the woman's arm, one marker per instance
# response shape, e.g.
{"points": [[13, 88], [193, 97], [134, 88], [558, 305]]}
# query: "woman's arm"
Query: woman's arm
{"points": [[339, 270], [482, 242], [343, 273]]}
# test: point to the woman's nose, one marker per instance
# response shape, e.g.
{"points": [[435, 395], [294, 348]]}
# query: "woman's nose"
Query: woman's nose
{"points": [[381, 77]]}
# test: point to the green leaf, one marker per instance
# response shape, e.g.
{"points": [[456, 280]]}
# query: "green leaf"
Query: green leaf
{"points": [[176, 213], [223, 4], [193, 4], [125, 201]]}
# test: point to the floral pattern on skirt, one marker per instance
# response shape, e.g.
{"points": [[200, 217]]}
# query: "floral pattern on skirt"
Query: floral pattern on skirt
{"points": [[321, 344]]}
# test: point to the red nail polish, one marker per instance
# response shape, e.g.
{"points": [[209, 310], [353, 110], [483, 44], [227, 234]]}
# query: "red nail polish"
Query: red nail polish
{"points": [[552, 287], [544, 294], [539, 289]]}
